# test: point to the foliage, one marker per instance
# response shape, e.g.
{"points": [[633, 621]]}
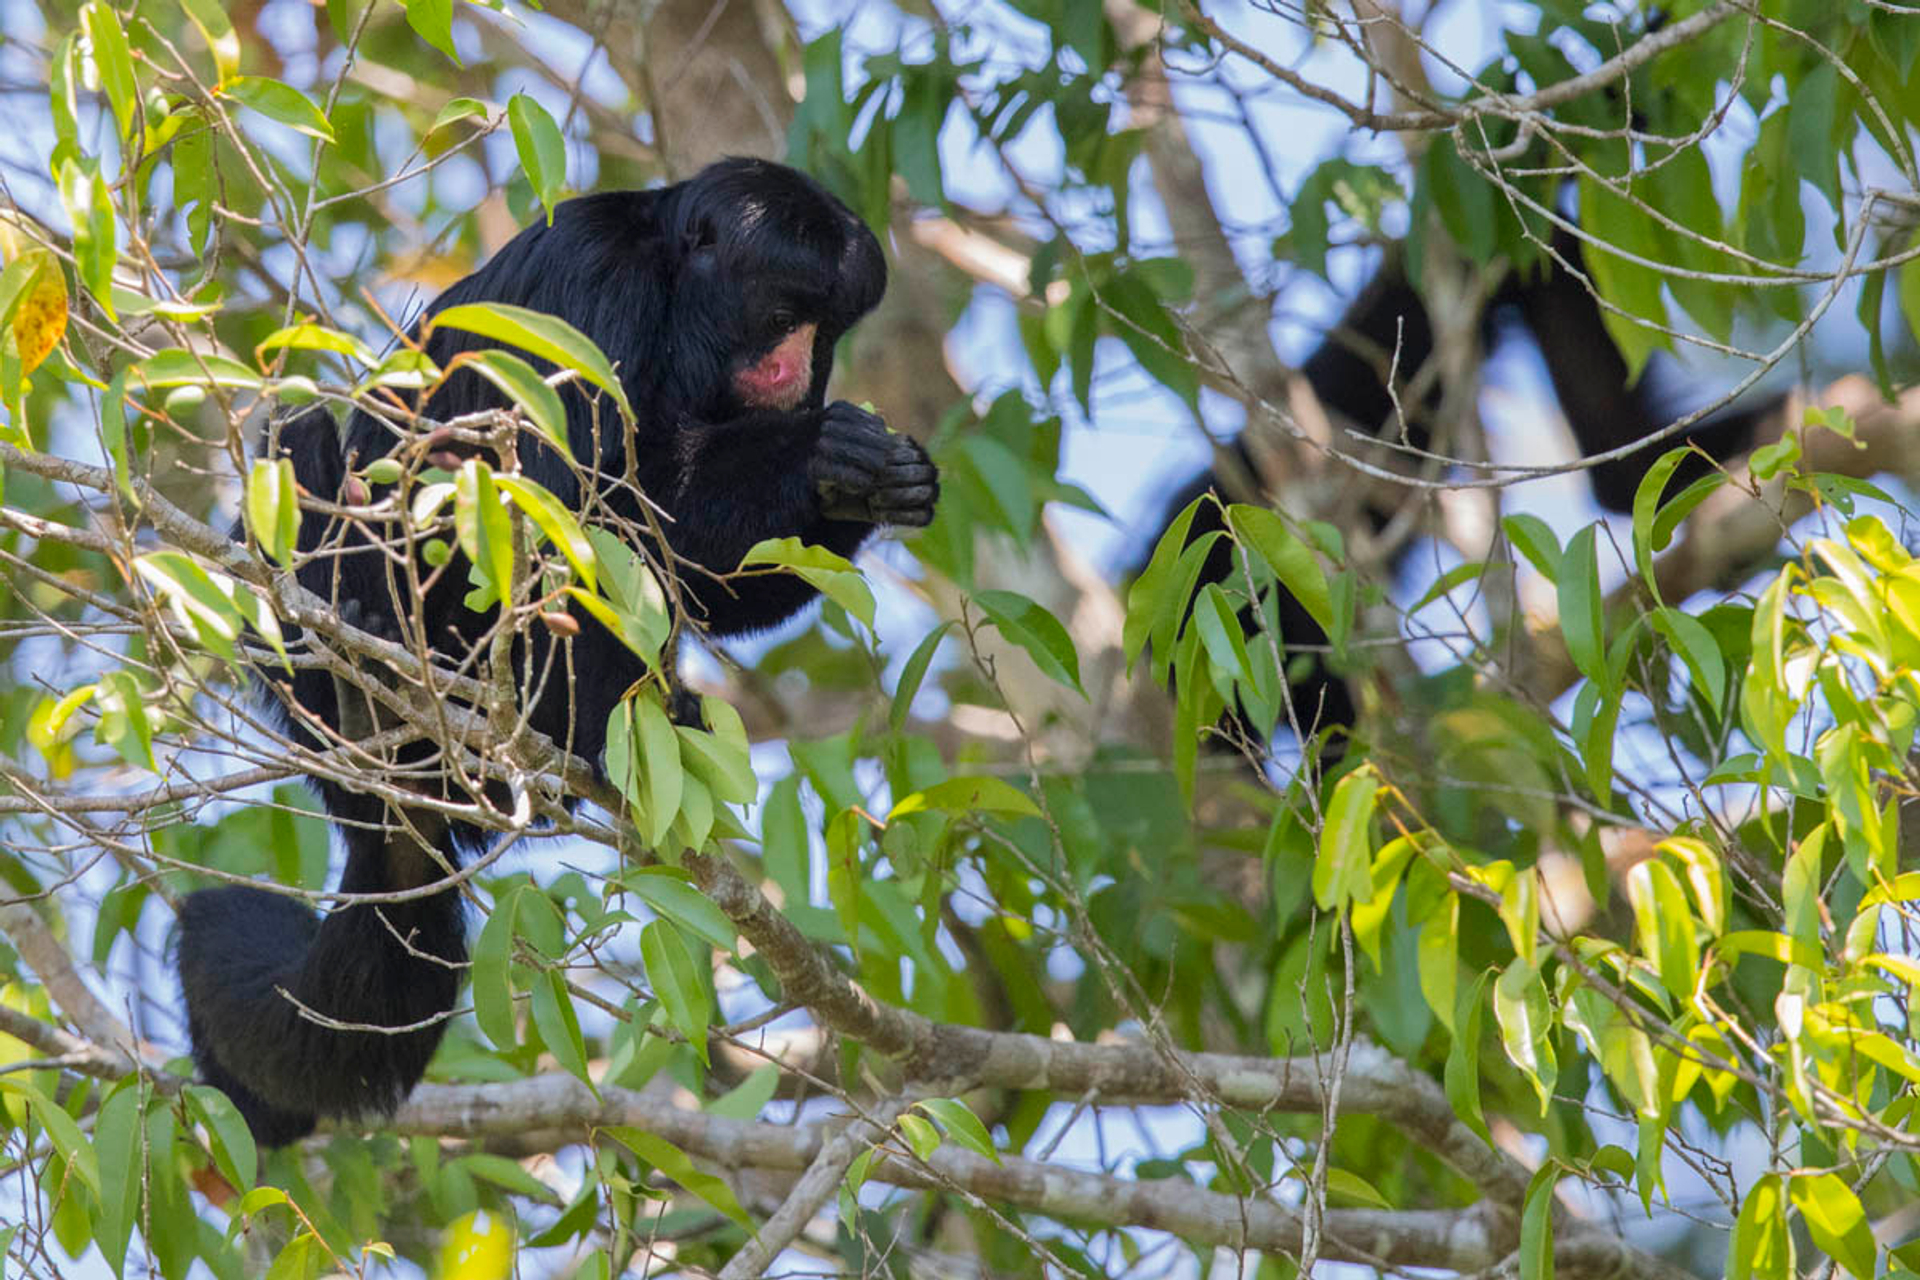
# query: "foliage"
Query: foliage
{"points": [[1603, 904]]}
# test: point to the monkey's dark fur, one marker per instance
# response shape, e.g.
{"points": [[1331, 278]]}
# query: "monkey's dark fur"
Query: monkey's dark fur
{"points": [[706, 294]]}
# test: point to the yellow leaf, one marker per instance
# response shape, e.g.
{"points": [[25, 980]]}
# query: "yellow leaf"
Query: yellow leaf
{"points": [[41, 318], [478, 1246]]}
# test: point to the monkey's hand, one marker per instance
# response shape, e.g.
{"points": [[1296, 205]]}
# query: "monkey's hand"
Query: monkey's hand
{"points": [[864, 472]]}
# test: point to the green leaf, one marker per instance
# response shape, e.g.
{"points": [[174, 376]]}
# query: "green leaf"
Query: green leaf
{"points": [[255, 1202], [1030, 627], [510, 1174], [553, 519], [492, 973], [1836, 1221], [1682, 504], [1908, 292], [913, 673], [457, 110], [679, 981], [1664, 926], [1268, 537], [673, 1162], [968, 795], [927, 95], [1135, 314], [542, 151], [117, 1130], [1762, 1247], [1810, 133], [559, 1026], [1004, 485], [234, 1152], [123, 720], [1704, 877], [61, 1130], [720, 755], [747, 1099], [1439, 957], [273, 507], [175, 367], [1370, 915], [1536, 1224], [1220, 632], [280, 102], [1526, 1026], [63, 101], [1698, 649], [638, 605], [923, 1139], [962, 1126], [1774, 946], [1465, 572], [1152, 610], [1646, 505], [659, 755], [113, 434], [1770, 460], [546, 337], [668, 891], [1343, 871], [313, 337], [432, 21], [108, 40], [696, 819], [1463, 198], [830, 574], [1462, 1072], [89, 206], [201, 599], [480, 521], [1581, 625], [210, 17], [523, 385], [1617, 225], [1350, 1186]]}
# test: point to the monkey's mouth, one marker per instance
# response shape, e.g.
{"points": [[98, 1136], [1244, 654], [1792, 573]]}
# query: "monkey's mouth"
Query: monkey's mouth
{"points": [[781, 378]]}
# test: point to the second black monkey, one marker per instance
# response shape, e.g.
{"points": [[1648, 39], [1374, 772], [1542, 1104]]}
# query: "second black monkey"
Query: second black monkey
{"points": [[720, 300]]}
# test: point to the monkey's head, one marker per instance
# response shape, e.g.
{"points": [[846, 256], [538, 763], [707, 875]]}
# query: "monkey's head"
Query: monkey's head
{"points": [[778, 270]]}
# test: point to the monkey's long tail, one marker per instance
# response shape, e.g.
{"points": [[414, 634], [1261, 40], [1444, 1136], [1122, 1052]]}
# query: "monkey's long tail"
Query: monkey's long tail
{"points": [[256, 967]]}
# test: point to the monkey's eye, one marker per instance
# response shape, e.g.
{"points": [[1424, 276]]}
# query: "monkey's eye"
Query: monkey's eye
{"points": [[782, 320]]}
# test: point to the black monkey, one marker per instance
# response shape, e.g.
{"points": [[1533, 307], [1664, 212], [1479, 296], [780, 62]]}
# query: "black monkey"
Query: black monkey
{"points": [[720, 300], [1387, 329]]}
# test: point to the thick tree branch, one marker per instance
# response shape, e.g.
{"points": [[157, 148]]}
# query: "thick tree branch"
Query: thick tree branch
{"points": [[1468, 1239], [953, 1059]]}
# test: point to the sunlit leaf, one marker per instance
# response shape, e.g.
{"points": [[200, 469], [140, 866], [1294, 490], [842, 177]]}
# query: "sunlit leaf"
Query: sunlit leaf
{"points": [[831, 574], [476, 1246], [546, 337], [280, 102]]}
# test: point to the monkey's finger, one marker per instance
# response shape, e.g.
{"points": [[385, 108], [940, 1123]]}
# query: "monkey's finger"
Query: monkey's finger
{"points": [[845, 508], [874, 449], [908, 518], [841, 475], [907, 505], [895, 477]]}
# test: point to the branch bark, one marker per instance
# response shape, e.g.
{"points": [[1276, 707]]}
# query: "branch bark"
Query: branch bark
{"points": [[1468, 1239]]}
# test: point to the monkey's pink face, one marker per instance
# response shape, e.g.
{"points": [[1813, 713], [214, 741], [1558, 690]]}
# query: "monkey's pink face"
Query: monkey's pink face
{"points": [[782, 377]]}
